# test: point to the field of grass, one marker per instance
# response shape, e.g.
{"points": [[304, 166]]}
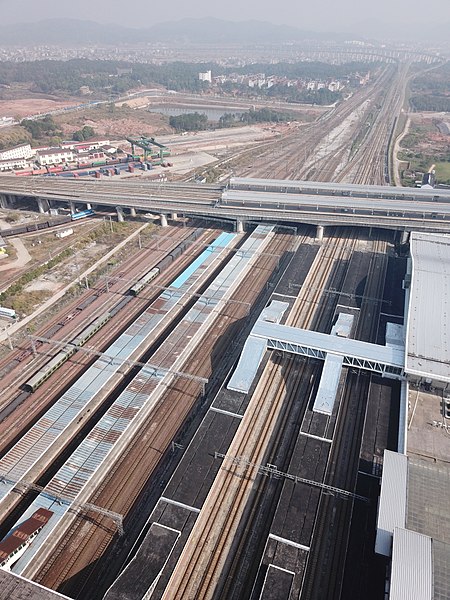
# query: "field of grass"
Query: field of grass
{"points": [[443, 172]]}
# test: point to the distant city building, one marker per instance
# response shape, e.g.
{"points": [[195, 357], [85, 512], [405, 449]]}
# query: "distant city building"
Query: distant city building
{"points": [[206, 76], [22, 151]]}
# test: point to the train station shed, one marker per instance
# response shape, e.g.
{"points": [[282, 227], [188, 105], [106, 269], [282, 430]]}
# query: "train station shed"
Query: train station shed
{"points": [[412, 570], [392, 504], [428, 324]]}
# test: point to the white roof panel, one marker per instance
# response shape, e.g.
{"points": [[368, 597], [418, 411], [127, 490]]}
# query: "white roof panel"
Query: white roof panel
{"points": [[251, 357], [428, 326], [343, 325], [273, 313], [351, 188], [412, 566], [331, 343], [395, 334], [329, 382], [392, 505]]}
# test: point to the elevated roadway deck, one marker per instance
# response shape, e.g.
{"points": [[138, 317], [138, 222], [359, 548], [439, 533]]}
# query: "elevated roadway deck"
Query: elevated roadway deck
{"points": [[408, 210]]}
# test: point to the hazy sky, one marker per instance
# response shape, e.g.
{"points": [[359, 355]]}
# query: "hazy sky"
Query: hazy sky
{"points": [[306, 14]]}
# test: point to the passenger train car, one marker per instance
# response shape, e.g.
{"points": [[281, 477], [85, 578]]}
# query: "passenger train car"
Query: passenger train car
{"points": [[13, 546]]}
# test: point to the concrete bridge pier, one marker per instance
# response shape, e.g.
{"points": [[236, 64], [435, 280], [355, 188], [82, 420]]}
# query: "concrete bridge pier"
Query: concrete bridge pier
{"points": [[174, 216], [88, 206], [239, 226], [72, 208], [4, 201], [120, 217], [404, 237], [43, 205], [132, 212], [319, 232], [163, 220]]}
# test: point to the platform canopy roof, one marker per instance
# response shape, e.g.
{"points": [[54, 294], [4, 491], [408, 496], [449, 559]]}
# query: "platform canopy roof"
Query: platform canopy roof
{"points": [[428, 326]]}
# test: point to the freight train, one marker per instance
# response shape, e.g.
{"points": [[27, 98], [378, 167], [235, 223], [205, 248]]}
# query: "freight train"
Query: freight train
{"points": [[36, 226], [44, 373], [164, 263], [30, 228]]}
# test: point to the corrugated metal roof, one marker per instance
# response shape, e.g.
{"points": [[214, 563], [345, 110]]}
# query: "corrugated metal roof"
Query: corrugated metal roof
{"points": [[428, 325], [354, 189], [392, 504], [291, 201], [412, 566], [142, 392], [329, 383], [29, 449]]}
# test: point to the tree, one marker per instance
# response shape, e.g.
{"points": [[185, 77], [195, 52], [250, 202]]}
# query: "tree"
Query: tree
{"points": [[83, 134]]}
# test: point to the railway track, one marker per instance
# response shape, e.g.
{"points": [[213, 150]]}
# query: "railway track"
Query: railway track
{"points": [[31, 406], [145, 452], [200, 566]]}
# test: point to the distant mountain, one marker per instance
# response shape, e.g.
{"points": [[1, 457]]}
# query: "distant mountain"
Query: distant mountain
{"points": [[63, 32], [396, 31], [70, 32], [213, 31]]}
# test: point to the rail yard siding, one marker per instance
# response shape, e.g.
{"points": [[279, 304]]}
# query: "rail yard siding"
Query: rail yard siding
{"points": [[137, 400], [33, 445]]}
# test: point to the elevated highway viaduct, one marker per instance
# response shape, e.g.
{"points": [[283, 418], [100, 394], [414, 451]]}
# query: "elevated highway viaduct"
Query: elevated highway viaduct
{"points": [[244, 200]]}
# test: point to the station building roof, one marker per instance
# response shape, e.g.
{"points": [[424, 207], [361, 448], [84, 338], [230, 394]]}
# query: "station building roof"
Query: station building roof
{"points": [[428, 326], [412, 568], [392, 505]]}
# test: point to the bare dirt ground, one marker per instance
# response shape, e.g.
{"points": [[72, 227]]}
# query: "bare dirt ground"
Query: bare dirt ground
{"points": [[22, 256], [115, 123], [25, 107]]}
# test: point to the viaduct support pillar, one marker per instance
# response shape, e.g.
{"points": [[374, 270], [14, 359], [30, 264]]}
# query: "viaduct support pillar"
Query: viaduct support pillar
{"points": [[120, 217], [174, 216], [132, 212], [40, 204], [4, 201], [404, 238], [163, 221], [319, 232], [239, 226], [72, 208], [88, 206]]}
